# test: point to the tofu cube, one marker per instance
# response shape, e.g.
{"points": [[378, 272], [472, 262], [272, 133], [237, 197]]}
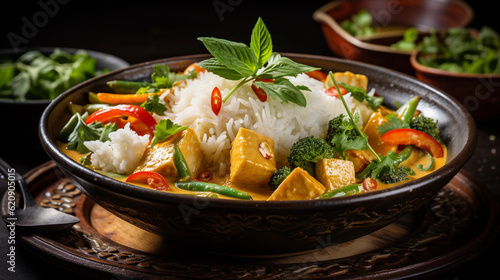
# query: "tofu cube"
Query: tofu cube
{"points": [[160, 158], [298, 185], [351, 79], [335, 173], [252, 158]]}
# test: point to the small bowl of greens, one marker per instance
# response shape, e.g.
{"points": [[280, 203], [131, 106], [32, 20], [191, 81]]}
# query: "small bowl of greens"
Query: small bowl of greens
{"points": [[466, 64], [31, 78], [385, 33]]}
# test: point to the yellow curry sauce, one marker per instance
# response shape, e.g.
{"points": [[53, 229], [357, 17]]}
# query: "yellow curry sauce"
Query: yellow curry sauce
{"points": [[263, 192]]}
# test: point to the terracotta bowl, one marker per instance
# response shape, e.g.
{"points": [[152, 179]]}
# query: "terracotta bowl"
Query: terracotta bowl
{"points": [[262, 228], [375, 49], [23, 131], [479, 93]]}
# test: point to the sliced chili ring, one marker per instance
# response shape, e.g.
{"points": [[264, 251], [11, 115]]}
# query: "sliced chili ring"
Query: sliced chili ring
{"points": [[332, 91], [216, 100]]}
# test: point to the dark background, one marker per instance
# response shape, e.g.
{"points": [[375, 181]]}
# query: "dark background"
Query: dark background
{"points": [[147, 30]]}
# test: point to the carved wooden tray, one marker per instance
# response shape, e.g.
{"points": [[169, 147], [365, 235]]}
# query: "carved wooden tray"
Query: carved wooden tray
{"points": [[454, 227]]}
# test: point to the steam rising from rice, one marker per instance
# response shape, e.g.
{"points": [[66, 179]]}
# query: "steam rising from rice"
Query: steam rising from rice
{"points": [[284, 122]]}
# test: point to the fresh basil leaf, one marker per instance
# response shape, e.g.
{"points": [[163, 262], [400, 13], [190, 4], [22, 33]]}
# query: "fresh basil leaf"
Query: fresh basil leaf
{"points": [[214, 66], [261, 43], [164, 129], [236, 56], [279, 66], [283, 90]]}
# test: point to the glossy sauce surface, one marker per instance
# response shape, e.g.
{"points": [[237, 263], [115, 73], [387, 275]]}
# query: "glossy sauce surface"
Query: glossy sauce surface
{"points": [[263, 192]]}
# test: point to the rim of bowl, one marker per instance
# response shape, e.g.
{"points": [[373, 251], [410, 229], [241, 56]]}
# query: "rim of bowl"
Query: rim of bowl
{"points": [[97, 54], [443, 73], [321, 15], [451, 166]]}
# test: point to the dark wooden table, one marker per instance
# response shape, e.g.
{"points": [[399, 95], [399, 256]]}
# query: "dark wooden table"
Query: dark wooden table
{"points": [[148, 30]]}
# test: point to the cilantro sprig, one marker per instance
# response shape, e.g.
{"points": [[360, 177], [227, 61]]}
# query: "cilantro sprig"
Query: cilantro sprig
{"points": [[385, 168], [164, 129], [237, 61]]}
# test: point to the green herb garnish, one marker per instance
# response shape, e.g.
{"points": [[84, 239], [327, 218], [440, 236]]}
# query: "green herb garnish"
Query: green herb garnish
{"points": [[82, 132], [36, 76], [359, 24], [237, 61], [462, 52], [155, 105], [165, 129]]}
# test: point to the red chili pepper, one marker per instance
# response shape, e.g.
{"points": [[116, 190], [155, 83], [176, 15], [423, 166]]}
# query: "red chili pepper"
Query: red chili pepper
{"points": [[408, 136], [216, 100], [332, 91], [153, 179], [107, 114], [261, 94], [369, 184], [317, 74]]}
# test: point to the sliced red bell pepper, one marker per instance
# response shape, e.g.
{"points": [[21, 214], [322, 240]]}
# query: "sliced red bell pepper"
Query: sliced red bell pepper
{"points": [[317, 74], [106, 114], [332, 91], [408, 136], [153, 179]]}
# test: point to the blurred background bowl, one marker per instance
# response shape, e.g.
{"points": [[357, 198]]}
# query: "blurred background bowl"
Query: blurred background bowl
{"points": [[20, 118], [261, 228], [479, 93], [390, 20]]}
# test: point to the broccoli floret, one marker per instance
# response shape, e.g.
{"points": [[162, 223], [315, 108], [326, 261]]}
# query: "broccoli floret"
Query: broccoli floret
{"points": [[393, 175], [278, 177], [306, 152], [387, 170], [337, 126], [342, 135], [427, 125]]}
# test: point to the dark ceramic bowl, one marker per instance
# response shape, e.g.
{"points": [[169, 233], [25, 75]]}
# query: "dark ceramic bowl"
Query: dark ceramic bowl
{"points": [[21, 118], [257, 228], [375, 49], [479, 93]]}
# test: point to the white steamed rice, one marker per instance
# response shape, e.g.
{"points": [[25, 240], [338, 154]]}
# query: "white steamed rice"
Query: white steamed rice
{"points": [[121, 154], [284, 122]]}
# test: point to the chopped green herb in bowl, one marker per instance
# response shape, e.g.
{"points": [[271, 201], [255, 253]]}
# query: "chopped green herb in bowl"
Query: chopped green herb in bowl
{"points": [[38, 76], [462, 51]]}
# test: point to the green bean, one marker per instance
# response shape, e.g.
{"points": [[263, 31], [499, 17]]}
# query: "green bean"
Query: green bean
{"points": [[91, 108], [67, 129], [210, 187], [407, 111], [125, 87], [343, 191], [181, 165]]}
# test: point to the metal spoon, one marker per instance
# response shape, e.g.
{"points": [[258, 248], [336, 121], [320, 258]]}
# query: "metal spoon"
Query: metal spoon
{"points": [[32, 216]]}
